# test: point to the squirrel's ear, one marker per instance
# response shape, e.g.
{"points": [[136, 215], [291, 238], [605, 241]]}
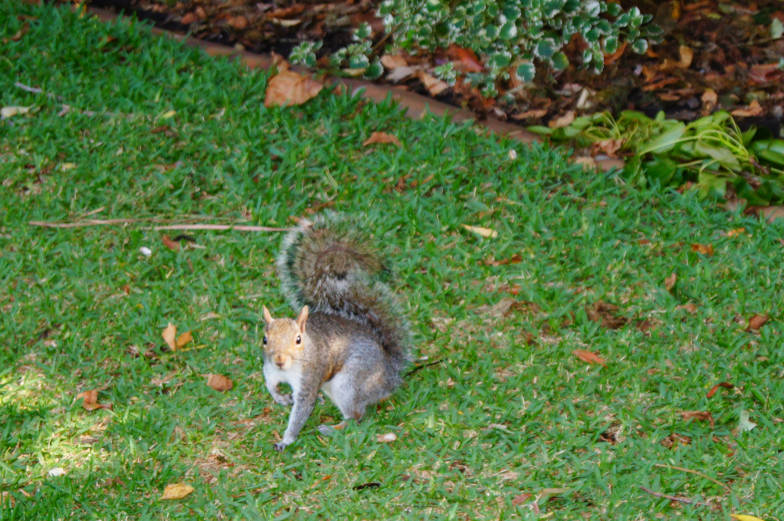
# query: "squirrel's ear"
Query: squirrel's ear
{"points": [[302, 318], [267, 316]]}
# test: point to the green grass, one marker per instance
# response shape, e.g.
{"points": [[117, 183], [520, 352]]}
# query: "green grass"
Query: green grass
{"points": [[509, 410]]}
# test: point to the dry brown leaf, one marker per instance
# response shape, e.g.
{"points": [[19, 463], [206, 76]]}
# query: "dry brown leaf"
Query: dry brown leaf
{"points": [[757, 321], [608, 147], [670, 281], [388, 437], [686, 55], [754, 109], [589, 357], [704, 249], [734, 232], [514, 259], [238, 22], [479, 230], [172, 245], [605, 314], [698, 415], [709, 100], [219, 382], [290, 88], [393, 61], [716, 387], [176, 491], [188, 18], [675, 439], [519, 499], [433, 85], [771, 213], [182, 340], [401, 73], [90, 400], [381, 137], [170, 336], [690, 307], [530, 114], [562, 121], [466, 60]]}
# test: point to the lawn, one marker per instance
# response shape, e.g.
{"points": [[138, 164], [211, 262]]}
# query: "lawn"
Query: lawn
{"points": [[501, 421]]}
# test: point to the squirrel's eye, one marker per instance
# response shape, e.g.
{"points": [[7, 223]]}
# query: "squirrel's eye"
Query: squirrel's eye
{"points": [[299, 339], [264, 340]]}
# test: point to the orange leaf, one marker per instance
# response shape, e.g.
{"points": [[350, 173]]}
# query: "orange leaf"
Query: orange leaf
{"points": [[176, 491], [90, 400], [433, 85], [670, 281], [698, 415], [290, 88], [219, 382], [705, 249], [589, 357], [467, 60], [757, 321], [715, 388], [172, 245], [183, 339], [754, 109], [381, 137], [169, 335]]}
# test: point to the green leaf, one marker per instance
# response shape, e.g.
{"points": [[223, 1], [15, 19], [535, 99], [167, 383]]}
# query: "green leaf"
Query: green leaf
{"points": [[711, 184], [640, 45], [508, 31], [610, 44], [560, 61], [663, 142], [374, 70], [545, 48], [526, 72]]}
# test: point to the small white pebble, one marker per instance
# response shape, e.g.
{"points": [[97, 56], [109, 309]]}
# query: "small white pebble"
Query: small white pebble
{"points": [[57, 471], [145, 251], [512, 154]]}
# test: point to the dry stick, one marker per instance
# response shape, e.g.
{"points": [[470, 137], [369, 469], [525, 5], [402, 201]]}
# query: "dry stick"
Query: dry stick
{"points": [[698, 473], [676, 498], [107, 222], [236, 227]]}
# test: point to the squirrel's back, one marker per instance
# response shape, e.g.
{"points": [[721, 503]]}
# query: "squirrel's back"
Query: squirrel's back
{"points": [[329, 265]]}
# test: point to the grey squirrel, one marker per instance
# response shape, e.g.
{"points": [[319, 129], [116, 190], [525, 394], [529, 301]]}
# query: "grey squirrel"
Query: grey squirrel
{"points": [[349, 338]]}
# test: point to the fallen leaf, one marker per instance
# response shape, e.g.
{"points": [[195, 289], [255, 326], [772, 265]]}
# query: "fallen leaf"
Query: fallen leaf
{"points": [[686, 55], [389, 437], [238, 22], [691, 307], [290, 88], [393, 61], [530, 114], [709, 100], [7, 112], [219, 382], [18, 34], [586, 162], [716, 387], [771, 213], [401, 73], [433, 85], [514, 259], [734, 232], [605, 314], [172, 245], [698, 415], [670, 281], [704, 249], [188, 18], [745, 517], [675, 439], [381, 137], [479, 230], [589, 357], [521, 498], [609, 147], [754, 109], [90, 400], [56, 472], [182, 340], [170, 335], [466, 59], [176, 491], [757, 321], [562, 121]]}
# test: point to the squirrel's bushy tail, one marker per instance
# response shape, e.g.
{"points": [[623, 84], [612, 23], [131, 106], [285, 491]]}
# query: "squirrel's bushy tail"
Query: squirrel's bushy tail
{"points": [[330, 266]]}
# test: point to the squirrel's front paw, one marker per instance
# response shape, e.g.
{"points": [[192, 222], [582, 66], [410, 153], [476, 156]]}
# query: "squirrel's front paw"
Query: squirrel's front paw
{"points": [[283, 399], [280, 446]]}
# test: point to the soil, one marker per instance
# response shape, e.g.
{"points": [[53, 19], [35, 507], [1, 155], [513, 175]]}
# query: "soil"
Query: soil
{"points": [[714, 55]]}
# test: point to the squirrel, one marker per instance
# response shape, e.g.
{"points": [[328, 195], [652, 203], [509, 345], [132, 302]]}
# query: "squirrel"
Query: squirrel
{"points": [[349, 338]]}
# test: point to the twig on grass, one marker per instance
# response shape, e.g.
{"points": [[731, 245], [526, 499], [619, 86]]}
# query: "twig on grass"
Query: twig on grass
{"points": [[680, 499], [696, 472], [110, 222]]}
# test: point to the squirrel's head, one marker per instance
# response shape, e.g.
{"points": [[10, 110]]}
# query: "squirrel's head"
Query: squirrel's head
{"points": [[284, 338]]}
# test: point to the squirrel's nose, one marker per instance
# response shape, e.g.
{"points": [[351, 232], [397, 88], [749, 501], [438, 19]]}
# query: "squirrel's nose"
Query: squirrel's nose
{"points": [[279, 361]]}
